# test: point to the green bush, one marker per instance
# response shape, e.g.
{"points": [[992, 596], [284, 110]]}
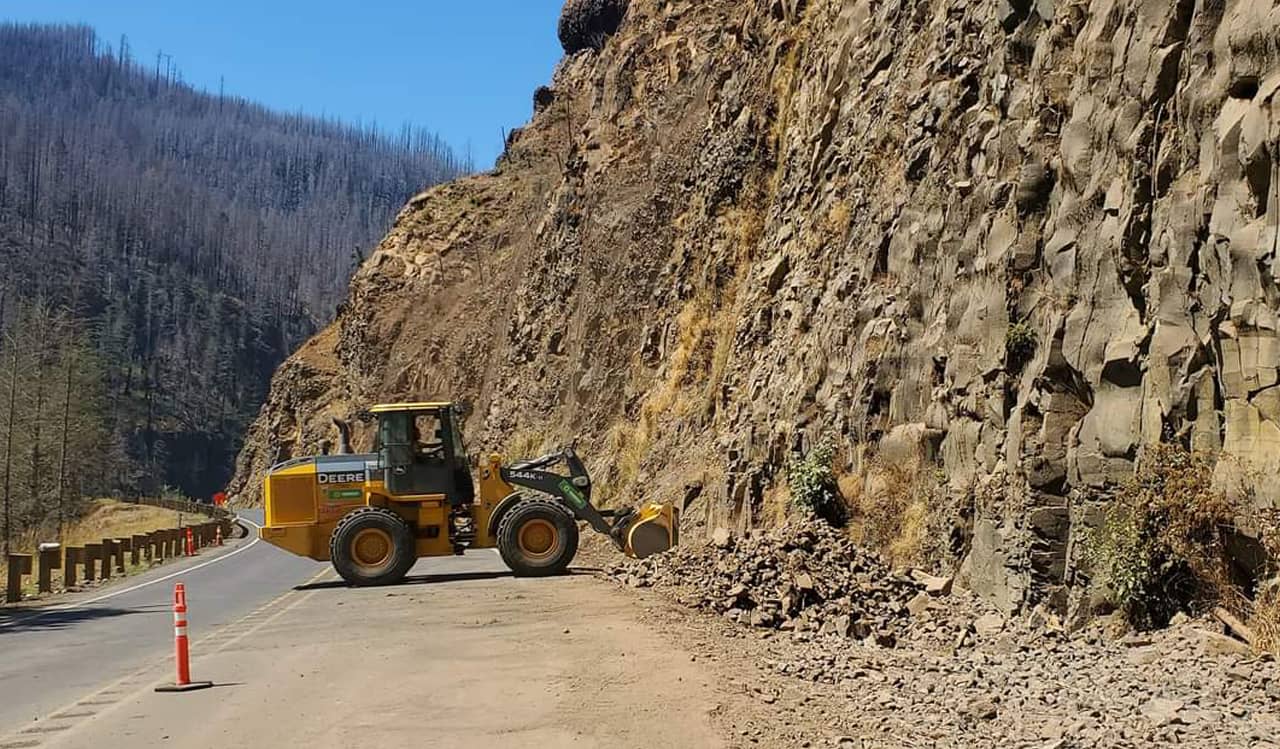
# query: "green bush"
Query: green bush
{"points": [[812, 480], [1020, 342], [1160, 547]]}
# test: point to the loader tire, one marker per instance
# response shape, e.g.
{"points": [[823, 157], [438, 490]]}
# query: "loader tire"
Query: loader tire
{"points": [[372, 546], [538, 538]]}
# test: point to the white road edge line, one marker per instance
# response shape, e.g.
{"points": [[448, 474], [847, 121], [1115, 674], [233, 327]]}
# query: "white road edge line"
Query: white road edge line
{"points": [[161, 662], [114, 593]]}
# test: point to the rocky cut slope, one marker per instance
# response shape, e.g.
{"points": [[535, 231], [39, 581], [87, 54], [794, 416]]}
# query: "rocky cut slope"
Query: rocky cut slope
{"points": [[991, 249]]}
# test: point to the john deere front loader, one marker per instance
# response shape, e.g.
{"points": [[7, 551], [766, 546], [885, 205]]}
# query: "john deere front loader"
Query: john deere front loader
{"points": [[415, 496]]}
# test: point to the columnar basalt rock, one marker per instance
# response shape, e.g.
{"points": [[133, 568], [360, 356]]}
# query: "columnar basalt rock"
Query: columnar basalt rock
{"points": [[1025, 240]]}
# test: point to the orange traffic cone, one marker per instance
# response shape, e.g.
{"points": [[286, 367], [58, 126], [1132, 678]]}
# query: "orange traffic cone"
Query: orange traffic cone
{"points": [[181, 647]]}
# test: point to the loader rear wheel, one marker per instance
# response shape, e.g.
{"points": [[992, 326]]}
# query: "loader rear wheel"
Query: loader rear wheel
{"points": [[538, 538], [372, 546]]}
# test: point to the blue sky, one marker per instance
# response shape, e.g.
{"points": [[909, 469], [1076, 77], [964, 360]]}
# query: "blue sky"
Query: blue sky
{"points": [[465, 69]]}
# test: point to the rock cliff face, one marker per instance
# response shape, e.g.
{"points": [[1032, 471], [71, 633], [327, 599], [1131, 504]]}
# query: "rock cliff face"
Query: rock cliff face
{"points": [[990, 249]]}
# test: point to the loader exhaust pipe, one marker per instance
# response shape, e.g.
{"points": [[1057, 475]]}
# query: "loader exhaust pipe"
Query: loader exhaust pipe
{"points": [[344, 436]]}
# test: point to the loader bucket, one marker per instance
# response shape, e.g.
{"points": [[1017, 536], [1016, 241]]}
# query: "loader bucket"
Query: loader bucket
{"points": [[655, 529]]}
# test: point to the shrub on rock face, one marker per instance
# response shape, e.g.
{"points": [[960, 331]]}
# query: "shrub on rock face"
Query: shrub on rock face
{"points": [[812, 481], [1020, 343], [585, 24], [1160, 549]]}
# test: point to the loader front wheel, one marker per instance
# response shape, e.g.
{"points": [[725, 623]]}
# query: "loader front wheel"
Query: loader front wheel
{"points": [[538, 538], [372, 546]]}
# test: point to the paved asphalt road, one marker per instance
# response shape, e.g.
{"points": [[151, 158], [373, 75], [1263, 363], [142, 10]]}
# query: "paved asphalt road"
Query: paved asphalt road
{"points": [[51, 659]]}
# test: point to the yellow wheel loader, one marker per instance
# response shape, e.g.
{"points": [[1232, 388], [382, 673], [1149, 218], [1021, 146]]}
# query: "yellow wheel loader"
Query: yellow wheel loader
{"points": [[374, 515]]}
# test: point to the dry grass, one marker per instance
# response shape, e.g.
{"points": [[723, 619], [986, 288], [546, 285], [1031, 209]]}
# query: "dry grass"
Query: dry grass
{"points": [[838, 219], [889, 510], [694, 369], [745, 223], [784, 88], [1264, 617], [1160, 549], [104, 518], [629, 441], [527, 443], [111, 519], [775, 505], [908, 546], [746, 227]]}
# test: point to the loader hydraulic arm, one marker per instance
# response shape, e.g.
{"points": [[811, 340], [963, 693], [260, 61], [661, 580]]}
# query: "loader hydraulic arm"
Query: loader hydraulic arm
{"points": [[574, 490]]}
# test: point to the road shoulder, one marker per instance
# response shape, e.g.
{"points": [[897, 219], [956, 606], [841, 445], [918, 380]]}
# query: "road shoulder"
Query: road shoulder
{"points": [[475, 659]]}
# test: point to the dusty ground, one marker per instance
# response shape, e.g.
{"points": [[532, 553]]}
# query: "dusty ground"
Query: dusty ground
{"points": [[476, 659], [466, 656]]}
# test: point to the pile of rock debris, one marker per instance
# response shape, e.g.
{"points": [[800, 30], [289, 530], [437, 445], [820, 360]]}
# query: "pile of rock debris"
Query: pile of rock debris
{"points": [[940, 668], [804, 576]]}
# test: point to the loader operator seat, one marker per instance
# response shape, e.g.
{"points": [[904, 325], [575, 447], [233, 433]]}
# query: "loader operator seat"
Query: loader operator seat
{"points": [[427, 452]]}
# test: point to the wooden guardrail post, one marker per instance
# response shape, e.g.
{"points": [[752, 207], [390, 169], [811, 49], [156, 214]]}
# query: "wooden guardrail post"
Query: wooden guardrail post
{"points": [[108, 558], [136, 543], [19, 565], [92, 553], [175, 543], [122, 545], [74, 556], [50, 560]]}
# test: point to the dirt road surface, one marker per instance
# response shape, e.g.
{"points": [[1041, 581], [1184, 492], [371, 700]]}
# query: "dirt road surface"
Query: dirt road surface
{"points": [[461, 656]]}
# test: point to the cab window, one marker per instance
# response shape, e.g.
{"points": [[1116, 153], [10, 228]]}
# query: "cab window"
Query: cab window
{"points": [[455, 435], [427, 436]]}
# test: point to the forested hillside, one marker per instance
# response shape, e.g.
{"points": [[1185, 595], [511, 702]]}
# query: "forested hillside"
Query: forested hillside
{"points": [[161, 250]]}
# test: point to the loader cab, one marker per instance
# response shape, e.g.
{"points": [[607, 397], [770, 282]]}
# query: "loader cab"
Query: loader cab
{"points": [[421, 451]]}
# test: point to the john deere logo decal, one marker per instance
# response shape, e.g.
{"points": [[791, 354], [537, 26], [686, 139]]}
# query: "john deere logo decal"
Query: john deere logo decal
{"points": [[573, 495], [340, 494], [346, 477]]}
